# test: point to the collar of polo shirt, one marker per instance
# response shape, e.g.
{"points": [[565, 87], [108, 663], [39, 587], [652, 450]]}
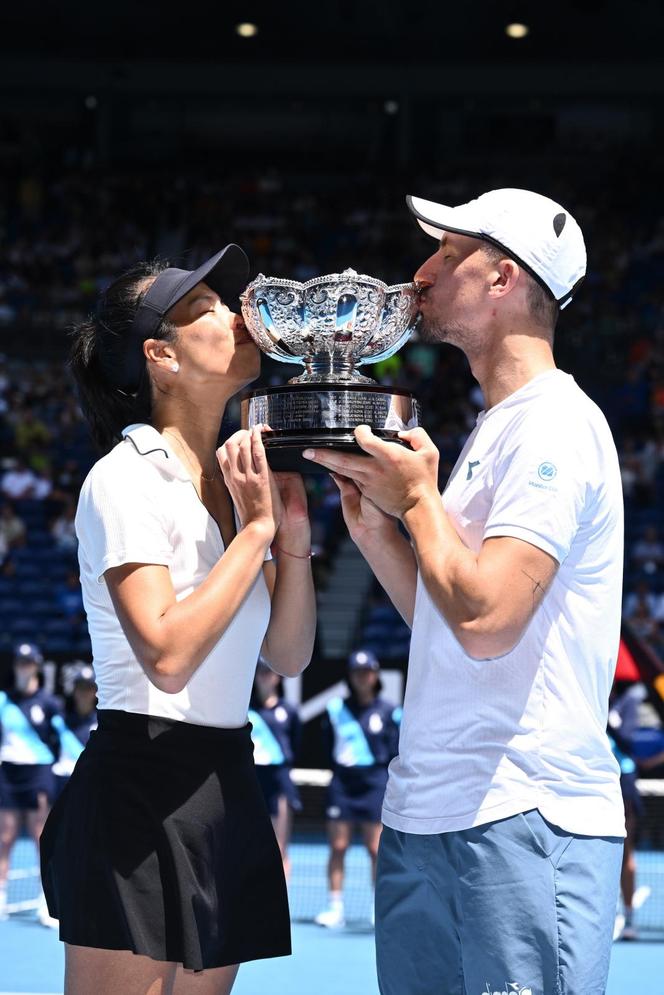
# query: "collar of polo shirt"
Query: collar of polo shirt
{"points": [[148, 442]]}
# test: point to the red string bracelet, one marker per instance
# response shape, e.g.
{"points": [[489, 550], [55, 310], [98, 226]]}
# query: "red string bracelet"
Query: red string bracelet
{"points": [[296, 556]]}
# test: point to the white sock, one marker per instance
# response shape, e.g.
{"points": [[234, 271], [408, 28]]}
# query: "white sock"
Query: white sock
{"points": [[336, 901]]}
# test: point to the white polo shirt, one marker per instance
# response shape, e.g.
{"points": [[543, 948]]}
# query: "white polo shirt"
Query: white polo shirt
{"points": [[486, 739], [139, 505]]}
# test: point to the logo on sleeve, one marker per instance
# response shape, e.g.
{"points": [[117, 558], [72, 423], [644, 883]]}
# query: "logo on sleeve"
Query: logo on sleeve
{"points": [[545, 477], [471, 467], [547, 471]]}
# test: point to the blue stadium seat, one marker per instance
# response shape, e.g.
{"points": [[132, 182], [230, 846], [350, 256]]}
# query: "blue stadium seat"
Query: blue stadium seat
{"points": [[383, 613], [27, 570], [58, 569], [58, 626], [40, 539], [53, 644], [43, 606], [11, 606], [22, 627], [376, 631], [37, 588]]}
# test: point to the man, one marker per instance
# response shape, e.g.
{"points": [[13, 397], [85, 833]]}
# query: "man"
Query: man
{"points": [[499, 862]]}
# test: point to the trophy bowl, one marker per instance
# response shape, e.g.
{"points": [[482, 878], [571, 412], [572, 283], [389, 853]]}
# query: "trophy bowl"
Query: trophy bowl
{"points": [[331, 325]]}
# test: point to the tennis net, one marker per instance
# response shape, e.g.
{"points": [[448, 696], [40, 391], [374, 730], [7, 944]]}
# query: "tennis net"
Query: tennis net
{"points": [[308, 890]]}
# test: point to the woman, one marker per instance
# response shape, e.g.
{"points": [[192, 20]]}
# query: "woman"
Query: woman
{"points": [[275, 731], [160, 849], [78, 721], [29, 743], [362, 736]]}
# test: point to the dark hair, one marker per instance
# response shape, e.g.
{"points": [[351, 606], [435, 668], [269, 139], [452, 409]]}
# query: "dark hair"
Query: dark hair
{"points": [[98, 356], [543, 307]]}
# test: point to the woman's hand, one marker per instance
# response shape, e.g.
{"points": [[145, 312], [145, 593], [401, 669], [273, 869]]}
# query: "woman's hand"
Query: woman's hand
{"points": [[364, 520], [250, 482], [294, 532]]}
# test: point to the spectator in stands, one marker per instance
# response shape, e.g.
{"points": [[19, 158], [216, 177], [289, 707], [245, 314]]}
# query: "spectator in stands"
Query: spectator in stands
{"points": [[12, 528], [19, 481], [275, 734], [362, 737], [30, 432], [69, 598], [29, 745], [63, 528], [648, 551], [43, 486]]}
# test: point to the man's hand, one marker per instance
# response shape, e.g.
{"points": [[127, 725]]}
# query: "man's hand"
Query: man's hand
{"points": [[395, 479], [364, 520]]}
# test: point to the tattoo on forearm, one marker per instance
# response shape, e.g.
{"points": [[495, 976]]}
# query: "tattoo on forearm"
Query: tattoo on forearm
{"points": [[538, 589]]}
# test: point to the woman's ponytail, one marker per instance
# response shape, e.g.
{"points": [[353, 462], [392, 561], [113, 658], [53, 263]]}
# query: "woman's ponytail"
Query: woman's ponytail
{"points": [[98, 353]]}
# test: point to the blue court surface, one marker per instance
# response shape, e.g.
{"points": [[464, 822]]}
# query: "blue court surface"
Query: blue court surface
{"points": [[324, 962]]}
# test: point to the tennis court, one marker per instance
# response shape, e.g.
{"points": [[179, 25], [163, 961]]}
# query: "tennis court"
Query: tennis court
{"points": [[324, 962]]}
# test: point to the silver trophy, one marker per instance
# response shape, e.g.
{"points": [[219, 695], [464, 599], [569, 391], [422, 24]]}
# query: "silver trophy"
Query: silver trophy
{"points": [[331, 325]]}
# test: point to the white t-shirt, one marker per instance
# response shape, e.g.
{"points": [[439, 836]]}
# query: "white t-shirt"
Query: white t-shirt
{"points": [[139, 505], [486, 739]]}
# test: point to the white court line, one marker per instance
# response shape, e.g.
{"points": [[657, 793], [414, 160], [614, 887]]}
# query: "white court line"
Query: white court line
{"points": [[30, 993]]}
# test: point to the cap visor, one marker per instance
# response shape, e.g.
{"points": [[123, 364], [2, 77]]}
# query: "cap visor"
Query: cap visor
{"points": [[227, 273], [435, 219]]}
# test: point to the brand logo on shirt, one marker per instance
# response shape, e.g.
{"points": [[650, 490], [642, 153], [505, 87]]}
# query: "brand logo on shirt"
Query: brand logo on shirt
{"points": [[375, 722], [509, 988], [37, 714], [546, 471], [471, 467]]}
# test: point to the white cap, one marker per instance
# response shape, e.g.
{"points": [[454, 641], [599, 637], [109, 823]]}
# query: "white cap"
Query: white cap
{"points": [[537, 233]]}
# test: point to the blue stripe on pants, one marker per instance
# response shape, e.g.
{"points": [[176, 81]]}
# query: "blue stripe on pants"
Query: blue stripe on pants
{"points": [[516, 906]]}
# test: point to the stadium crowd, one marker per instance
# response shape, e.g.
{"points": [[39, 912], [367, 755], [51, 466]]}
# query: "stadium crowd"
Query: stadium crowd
{"points": [[63, 237]]}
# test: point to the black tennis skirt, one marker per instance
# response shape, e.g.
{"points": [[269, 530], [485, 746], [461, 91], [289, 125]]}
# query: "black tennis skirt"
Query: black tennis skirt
{"points": [[161, 844]]}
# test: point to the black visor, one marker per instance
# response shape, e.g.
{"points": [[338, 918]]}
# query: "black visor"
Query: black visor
{"points": [[226, 273]]}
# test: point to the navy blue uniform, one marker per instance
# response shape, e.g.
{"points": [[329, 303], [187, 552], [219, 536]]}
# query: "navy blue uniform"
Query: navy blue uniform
{"points": [[362, 740], [29, 745], [275, 733], [74, 731]]}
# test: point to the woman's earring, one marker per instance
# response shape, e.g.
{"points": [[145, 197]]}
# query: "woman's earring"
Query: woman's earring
{"points": [[175, 367]]}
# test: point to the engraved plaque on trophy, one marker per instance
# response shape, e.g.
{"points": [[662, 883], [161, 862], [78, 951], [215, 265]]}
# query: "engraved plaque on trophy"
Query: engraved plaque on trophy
{"points": [[331, 325]]}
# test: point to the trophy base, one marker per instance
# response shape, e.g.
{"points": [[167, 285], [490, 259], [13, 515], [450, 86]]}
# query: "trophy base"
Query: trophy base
{"points": [[286, 454], [323, 416]]}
